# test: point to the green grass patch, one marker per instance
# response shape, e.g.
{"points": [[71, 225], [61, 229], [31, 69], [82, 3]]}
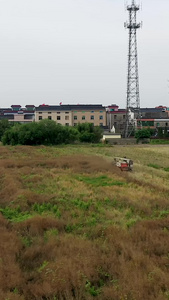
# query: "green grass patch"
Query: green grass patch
{"points": [[82, 204], [159, 141], [100, 181], [15, 215], [46, 207], [164, 213], [154, 166]]}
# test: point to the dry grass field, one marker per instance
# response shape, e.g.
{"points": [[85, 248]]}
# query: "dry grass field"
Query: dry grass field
{"points": [[73, 226]]}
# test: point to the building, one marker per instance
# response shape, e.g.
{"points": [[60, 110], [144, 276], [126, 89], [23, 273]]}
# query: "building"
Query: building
{"points": [[18, 114], [150, 117], [116, 118], [71, 115], [154, 117]]}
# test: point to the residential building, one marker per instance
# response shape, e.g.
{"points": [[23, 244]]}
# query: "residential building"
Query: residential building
{"points": [[116, 118], [71, 115], [18, 114], [154, 117]]}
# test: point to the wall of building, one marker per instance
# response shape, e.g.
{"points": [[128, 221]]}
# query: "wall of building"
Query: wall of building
{"points": [[73, 116], [60, 117]]}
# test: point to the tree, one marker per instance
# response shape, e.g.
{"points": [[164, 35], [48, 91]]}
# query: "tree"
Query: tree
{"points": [[89, 133], [143, 133], [4, 125]]}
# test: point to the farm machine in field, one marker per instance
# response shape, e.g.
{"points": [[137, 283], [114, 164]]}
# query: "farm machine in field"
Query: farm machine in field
{"points": [[125, 164]]}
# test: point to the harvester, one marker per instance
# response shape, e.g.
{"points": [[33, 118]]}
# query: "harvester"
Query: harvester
{"points": [[125, 164]]}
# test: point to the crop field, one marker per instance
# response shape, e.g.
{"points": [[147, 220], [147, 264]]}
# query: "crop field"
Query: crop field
{"points": [[74, 226]]}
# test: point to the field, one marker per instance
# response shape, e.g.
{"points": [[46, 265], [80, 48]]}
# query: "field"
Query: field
{"points": [[73, 226]]}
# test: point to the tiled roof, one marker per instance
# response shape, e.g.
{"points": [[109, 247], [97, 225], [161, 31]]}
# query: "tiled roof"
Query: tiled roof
{"points": [[70, 107], [151, 109]]}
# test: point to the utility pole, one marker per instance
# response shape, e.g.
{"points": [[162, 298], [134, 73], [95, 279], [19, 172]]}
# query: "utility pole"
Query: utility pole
{"points": [[133, 97]]}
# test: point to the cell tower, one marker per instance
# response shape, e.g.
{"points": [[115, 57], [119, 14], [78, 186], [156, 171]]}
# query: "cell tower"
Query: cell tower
{"points": [[133, 97]]}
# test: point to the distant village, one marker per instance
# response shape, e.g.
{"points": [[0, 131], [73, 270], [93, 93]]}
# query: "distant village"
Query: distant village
{"points": [[111, 117]]}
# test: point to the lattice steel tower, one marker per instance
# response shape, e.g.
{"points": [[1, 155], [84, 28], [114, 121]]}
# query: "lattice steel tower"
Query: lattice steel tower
{"points": [[133, 97]]}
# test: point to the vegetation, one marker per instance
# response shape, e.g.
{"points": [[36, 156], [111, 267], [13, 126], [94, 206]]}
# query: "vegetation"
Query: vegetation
{"points": [[159, 141], [73, 226], [47, 132], [143, 133], [4, 125]]}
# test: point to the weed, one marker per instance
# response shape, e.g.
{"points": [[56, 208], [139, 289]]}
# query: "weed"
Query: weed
{"points": [[46, 207], [51, 232], [92, 290], [44, 264], [27, 241]]}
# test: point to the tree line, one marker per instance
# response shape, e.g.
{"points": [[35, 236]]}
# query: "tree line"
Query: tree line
{"points": [[47, 132]]}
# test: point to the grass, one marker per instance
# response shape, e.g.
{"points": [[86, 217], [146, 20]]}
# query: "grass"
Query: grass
{"points": [[100, 181], [73, 226], [158, 142]]}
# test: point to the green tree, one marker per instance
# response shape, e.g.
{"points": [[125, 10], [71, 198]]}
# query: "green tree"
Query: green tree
{"points": [[143, 133], [4, 125], [89, 133]]}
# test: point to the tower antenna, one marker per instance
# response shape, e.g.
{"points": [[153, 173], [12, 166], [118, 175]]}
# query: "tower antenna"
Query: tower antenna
{"points": [[133, 96]]}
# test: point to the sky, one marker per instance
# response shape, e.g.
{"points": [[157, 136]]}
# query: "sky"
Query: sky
{"points": [[75, 52]]}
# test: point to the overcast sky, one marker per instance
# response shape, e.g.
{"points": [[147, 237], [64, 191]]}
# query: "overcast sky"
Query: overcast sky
{"points": [[75, 51]]}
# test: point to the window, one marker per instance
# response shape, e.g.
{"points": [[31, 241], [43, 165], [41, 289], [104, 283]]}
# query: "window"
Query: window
{"points": [[101, 124], [67, 124], [66, 112], [58, 112], [115, 124], [101, 117], [166, 124], [83, 117], [92, 111], [83, 112], [40, 112], [101, 111], [66, 117], [75, 117], [40, 117], [148, 123], [92, 117], [49, 112], [75, 124], [49, 117], [124, 116], [58, 117], [115, 117]]}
